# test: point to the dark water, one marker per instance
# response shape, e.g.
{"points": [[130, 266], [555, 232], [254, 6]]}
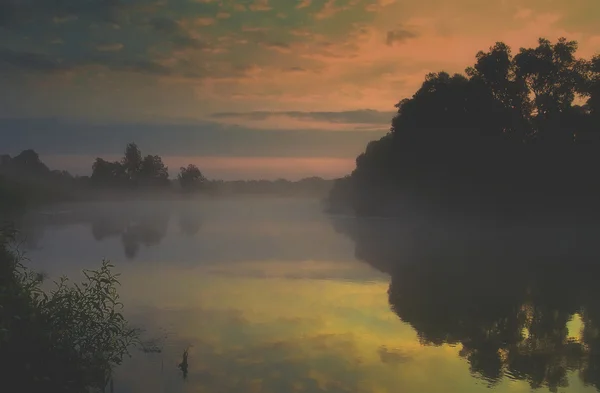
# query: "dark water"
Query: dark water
{"points": [[274, 296]]}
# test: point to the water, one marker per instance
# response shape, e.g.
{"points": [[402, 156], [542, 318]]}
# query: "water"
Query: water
{"points": [[271, 295]]}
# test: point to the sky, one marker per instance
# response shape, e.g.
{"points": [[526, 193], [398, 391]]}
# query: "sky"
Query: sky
{"points": [[244, 89]]}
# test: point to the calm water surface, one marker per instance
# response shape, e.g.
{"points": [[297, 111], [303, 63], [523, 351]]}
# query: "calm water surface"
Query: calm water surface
{"points": [[274, 296]]}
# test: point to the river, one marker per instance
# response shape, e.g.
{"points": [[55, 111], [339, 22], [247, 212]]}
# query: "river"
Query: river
{"points": [[273, 295]]}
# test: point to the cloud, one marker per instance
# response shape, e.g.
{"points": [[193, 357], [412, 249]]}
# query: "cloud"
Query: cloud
{"points": [[255, 29], [30, 61], [362, 116], [393, 356], [176, 33], [296, 69], [398, 36], [115, 47], [523, 13], [278, 46], [204, 21], [59, 137], [329, 9], [303, 4], [64, 18], [165, 25], [185, 58], [260, 5]]}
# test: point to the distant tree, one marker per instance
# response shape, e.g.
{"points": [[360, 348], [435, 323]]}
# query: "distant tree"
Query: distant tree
{"points": [[108, 173], [28, 161], [153, 171], [132, 171], [5, 159], [190, 178], [132, 161]]}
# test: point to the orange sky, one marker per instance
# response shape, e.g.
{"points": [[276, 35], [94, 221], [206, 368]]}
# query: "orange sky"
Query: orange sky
{"points": [[220, 60]]}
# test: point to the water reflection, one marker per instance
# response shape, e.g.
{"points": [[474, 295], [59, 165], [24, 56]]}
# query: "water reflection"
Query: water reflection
{"points": [[516, 309], [190, 222], [267, 297], [134, 230], [135, 224]]}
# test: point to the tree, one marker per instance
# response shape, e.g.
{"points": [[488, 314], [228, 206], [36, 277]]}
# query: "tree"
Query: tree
{"points": [[153, 171], [28, 161], [190, 178], [490, 138], [133, 170], [108, 173], [132, 161], [554, 77]]}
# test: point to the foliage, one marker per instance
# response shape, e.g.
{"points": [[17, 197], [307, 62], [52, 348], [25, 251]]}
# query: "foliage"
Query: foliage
{"points": [[190, 178], [66, 340], [132, 171], [26, 180], [508, 133]]}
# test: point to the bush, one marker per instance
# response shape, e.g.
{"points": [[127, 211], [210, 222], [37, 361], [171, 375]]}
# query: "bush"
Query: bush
{"points": [[66, 340]]}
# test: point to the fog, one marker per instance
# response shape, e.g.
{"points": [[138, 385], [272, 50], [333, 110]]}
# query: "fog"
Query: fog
{"points": [[275, 289]]}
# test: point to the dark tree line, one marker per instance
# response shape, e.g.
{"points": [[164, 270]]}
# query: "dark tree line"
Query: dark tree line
{"points": [[135, 170], [25, 179], [518, 131]]}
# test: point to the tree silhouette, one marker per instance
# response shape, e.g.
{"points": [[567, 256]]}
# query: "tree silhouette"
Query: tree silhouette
{"points": [[153, 171], [132, 161], [506, 138], [132, 171], [190, 178]]}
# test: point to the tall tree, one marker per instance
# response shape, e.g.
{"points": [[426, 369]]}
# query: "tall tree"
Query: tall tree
{"points": [[132, 161], [29, 161], [554, 77], [108, 173], [153, 171], [190, 178]]}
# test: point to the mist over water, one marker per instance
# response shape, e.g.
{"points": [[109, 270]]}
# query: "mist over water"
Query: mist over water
{"points": [[272, 295]]}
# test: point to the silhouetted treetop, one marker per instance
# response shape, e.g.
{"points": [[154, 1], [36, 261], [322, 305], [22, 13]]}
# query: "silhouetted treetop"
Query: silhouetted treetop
{"points": [[190, 178], [133, 170], [507, 133]]}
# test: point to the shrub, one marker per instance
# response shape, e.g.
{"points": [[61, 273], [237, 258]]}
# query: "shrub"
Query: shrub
{"points": [[68, 339]]}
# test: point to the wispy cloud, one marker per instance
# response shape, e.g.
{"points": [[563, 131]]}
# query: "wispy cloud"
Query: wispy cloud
{"points": [[399, 35], [114, 47], [64, 18], [330, 8], [260, 5], [364, 116], [192, 58], [303, 4]]}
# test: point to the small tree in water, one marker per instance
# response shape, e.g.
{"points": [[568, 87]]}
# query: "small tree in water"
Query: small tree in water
{"points": [[67, 340]]}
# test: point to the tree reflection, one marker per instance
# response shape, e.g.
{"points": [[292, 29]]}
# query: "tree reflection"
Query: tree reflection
{"points": [[508, 310], [190, 223], [135, 230], [137, 224]]}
